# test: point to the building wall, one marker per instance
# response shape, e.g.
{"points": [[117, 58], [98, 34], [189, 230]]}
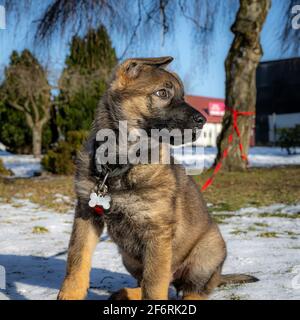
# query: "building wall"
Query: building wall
{"points": [[209, 134], [278, 91], [279, 121]]}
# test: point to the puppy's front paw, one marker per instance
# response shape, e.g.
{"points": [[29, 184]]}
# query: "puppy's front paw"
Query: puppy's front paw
{"points": [[72, 290], [127, 294]]}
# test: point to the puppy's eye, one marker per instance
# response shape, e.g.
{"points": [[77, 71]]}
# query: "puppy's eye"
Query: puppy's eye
{"points": [[163, 94]]}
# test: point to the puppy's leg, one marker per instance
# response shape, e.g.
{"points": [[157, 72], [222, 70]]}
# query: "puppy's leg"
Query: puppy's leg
{"points": [[85, 236], [156, 274], [127, 294], [194, 296], [203, 266], [135, 268], [157, 267], [157, 244], [206, 290]]}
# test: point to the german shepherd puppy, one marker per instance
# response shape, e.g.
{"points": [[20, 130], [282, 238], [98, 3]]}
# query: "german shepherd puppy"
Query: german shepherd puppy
{"points": [[158, 218]]}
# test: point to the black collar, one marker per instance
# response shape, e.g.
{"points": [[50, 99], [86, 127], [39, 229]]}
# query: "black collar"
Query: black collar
{"points": [[109, 170]]}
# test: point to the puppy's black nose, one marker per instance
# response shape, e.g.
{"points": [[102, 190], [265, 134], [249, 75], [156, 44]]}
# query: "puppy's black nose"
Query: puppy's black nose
{"points": [[199, 118]]}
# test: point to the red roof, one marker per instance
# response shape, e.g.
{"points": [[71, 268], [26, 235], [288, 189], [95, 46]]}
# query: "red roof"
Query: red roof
{"points": [[201, 104]]}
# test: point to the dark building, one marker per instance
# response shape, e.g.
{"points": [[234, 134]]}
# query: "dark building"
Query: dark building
{"points": [[278, 97]]}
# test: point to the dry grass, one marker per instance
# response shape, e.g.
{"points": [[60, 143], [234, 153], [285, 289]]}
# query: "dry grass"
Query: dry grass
{"points": [[256, 187], [229, 191], [39, 230], [40, 190]]}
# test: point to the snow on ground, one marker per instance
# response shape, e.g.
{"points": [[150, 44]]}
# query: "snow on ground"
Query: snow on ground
{"points": [[26, 165], [35, 262], [20, 165], [258, 156]]}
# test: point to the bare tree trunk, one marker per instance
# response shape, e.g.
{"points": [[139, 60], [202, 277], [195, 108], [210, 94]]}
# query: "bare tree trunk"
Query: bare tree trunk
{"points": [[240, 66], [37, 140]]}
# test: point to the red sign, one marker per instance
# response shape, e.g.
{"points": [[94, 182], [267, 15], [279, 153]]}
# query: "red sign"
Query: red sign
{"points": [[216, 108]]}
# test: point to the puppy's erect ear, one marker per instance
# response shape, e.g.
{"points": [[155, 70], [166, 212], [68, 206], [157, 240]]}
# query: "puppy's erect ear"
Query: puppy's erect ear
{"points": [[160, 62], [131, 68]]}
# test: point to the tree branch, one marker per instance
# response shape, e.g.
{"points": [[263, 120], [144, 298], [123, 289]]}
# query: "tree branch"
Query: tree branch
{"points": [[29, 120], [16, 106]]}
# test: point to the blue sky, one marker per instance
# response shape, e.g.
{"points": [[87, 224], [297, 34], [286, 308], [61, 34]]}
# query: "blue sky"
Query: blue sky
{"points": [[201, 76]]}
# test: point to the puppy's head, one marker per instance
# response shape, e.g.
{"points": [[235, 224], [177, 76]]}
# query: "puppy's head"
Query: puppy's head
{"points": [[150, 97]]}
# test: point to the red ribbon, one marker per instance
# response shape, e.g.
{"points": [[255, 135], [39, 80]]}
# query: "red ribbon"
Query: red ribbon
{"points": [[235, 115]]}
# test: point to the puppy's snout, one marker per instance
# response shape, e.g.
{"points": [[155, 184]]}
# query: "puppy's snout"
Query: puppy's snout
{"points": [[199, 118]]}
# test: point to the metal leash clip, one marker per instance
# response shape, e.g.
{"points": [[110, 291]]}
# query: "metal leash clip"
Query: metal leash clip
{"points": [[102, 189], [99, 199]]}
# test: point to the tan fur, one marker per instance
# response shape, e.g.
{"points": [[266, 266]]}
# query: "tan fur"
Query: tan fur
{"points": [[194, 296], [84, 238], [158, 217], [128, 294]]}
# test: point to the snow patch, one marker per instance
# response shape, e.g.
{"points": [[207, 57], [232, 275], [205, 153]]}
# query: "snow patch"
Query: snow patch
{"points": [[275, 208], [27, 166], [35, 263], [21, 165], [258, 156]]}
